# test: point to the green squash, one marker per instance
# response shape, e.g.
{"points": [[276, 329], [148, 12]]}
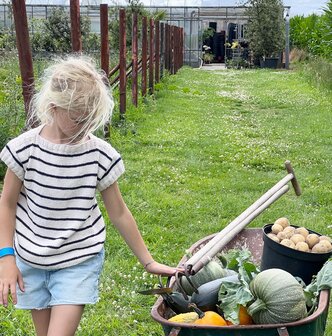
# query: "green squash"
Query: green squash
{"points": [[279, 298], [212, 271]]}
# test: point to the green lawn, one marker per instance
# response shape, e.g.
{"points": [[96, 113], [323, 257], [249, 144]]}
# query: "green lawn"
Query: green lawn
{"points": [[197, 156]]}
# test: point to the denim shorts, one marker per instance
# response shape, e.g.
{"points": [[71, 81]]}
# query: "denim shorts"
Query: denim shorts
{"points": [[75, 285]]}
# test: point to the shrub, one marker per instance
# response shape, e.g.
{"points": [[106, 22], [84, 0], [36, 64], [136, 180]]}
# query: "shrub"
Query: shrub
{"points": [[54, 34], [265, 29], [313, 33]]}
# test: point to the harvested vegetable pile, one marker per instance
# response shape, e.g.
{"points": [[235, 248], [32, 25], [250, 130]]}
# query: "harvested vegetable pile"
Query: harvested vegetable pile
{"points": [[231, 290]]}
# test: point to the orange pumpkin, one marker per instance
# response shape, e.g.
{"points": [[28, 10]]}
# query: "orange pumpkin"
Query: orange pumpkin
{"points": [[244, 317], [209, 317]]}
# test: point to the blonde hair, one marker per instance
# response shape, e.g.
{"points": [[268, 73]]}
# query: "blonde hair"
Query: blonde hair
{"points": [[74, 84]]}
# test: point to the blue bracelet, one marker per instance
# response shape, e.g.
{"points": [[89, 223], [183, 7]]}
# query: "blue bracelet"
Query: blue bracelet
{"points": [[6, 251]]}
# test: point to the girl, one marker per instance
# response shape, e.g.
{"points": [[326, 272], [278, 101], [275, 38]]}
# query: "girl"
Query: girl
{"points": [[48, 210]]}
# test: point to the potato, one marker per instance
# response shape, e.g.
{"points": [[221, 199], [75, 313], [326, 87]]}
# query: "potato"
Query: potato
{"points": [[283, 221], [325, 243], [290, 230], [325, 238], [302, 246], [302, 231], [288, 243], [320, 248], [312, 239], [273, 237], [276, 228], [282, 235], [296, 238]]}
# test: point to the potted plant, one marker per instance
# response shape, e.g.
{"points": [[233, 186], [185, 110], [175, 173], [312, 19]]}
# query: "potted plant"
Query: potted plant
{"points": [[207, 55], [265, 30]]}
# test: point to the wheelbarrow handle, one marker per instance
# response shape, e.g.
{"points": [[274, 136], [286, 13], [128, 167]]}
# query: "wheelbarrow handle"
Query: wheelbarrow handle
{"points": [[294, 181]]}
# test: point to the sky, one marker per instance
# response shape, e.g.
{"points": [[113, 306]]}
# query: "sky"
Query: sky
{"points": [[298, 7]]}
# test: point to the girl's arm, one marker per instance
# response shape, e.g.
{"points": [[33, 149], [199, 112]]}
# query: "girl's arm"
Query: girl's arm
{"points": [[123, 220], [9, 273]]}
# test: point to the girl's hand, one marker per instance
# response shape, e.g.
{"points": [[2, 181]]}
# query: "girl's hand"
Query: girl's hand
{"points": [[9, 276], [156, 268]]}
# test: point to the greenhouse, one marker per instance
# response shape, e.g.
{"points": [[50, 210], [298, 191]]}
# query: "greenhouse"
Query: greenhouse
{"points": [[196, 17]]}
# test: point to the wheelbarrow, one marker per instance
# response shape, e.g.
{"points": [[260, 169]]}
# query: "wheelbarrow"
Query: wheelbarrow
{"points": [[235, 235]]}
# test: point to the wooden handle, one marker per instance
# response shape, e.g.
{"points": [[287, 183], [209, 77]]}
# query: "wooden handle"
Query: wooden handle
{"points": [[294, 181]]}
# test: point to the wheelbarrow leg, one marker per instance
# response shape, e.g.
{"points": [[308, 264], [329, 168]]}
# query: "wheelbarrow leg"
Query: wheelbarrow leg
{"points": [[174, 332], [283, 331]]}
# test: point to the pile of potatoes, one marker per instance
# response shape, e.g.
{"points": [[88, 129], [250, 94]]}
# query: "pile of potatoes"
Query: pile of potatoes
{"points": [[299, 238]]}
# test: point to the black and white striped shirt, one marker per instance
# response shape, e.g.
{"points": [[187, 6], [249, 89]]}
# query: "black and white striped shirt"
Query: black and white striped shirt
{"points": [[58, 221]]}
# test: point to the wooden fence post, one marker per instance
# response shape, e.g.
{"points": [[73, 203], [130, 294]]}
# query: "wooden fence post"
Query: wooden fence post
{"points": [[25, 56], [167, 47], [122, 62], [134, 58], [162, 49], [172, 49], [181, 46], [144, 54], [105, 50], [157, 59], [151, 56], [76, 40], [175, 49]]}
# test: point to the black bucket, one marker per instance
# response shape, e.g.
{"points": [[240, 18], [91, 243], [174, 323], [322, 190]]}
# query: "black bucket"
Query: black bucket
{"points": [[298, 263]]}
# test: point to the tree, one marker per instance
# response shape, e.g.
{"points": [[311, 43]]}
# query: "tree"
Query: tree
{"points": [[133, 6], [265, 30]]}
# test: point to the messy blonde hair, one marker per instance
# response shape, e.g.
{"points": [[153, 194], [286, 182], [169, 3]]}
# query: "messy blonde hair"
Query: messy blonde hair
{"points": [[74, 84]]}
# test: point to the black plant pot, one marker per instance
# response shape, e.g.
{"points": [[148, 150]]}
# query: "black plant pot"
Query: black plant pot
{"points": [[269, 62]]}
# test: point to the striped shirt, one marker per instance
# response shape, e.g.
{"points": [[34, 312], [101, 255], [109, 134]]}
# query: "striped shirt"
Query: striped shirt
{"points": [[58, 221]]}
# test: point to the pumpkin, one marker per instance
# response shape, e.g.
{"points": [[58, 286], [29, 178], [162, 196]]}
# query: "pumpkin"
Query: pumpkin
{"points": [[184, 318], [279, 298], [208, 318], [211, 271], [211, 318], [244, 317]]}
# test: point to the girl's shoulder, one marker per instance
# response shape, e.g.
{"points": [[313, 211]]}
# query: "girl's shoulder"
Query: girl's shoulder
{"points": [[104, 146], [25, 138]]}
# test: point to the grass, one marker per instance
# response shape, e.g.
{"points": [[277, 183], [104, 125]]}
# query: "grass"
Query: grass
{"points": [[198, 155]]}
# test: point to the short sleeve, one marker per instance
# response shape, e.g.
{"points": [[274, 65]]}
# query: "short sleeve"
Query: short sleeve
{"points": [[111, 166], [9, 155]]}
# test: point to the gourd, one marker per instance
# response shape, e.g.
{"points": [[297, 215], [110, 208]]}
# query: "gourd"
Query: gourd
{"points": [[184, 318], [212, 271], [211, 318], [206, 296], [244, 317], [279, 298], [208, 318]]}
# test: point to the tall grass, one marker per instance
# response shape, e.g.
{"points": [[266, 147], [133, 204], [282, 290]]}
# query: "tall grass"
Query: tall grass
{"points": [[196, 156]]}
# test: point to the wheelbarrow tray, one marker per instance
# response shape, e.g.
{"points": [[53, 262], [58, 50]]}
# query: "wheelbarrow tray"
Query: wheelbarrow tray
{"points": [[313, 325]]}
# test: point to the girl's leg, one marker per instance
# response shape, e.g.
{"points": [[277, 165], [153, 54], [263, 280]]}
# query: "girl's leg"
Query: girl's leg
{"points": [[64, 320], [41, 320]]}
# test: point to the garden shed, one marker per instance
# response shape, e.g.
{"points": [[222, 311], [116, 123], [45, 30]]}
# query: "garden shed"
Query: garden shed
{"points": [[196, 17]]}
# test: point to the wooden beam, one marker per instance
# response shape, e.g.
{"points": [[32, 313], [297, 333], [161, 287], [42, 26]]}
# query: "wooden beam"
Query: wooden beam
{"points": [[152, 56], [105, 49], [76, 39], [24, 55], [134, 60], [122, 62]]}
